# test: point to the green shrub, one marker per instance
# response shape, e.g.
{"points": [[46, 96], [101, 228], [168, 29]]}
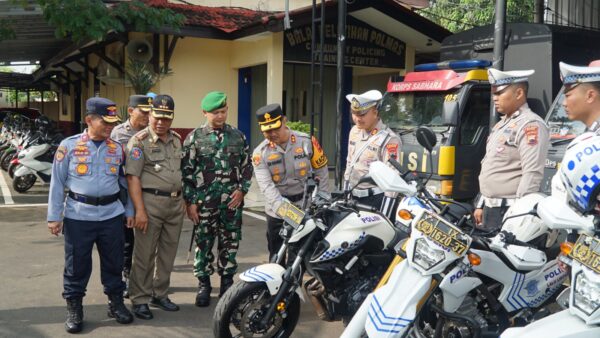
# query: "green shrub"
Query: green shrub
{"points": [[300, 126]]}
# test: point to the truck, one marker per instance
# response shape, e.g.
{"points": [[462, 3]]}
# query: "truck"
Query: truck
{"points": [[453, 98]]}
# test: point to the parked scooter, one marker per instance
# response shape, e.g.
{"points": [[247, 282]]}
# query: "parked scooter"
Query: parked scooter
{"points": [[455, 283]]}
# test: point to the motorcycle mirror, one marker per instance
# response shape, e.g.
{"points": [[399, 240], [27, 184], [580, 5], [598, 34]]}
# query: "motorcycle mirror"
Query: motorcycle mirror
{"points": [[426, 138]]}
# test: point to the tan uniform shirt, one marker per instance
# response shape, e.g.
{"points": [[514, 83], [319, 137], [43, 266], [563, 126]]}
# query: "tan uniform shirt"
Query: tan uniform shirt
{"points": [[155, 162], [283, 171], [516, 151], [365, 147]]}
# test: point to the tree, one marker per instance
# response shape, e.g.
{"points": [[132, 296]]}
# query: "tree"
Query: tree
{"points": [[460, 15], [82, 20]]}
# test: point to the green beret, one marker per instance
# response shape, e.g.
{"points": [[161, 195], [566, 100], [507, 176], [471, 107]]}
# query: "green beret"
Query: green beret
{"points": [[214, 100]]}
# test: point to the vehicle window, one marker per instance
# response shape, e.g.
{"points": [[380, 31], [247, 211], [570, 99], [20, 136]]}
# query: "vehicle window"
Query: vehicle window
{"points": [[476, 115], [561, 128], [401, 111]]}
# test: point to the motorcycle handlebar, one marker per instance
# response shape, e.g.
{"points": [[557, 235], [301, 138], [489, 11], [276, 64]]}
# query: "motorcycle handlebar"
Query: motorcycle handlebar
{"points": [[364, 207]]}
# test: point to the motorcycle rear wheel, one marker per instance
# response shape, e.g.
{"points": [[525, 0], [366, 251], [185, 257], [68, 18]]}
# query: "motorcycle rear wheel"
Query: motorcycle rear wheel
{"points": [[5, 160], [240, 309], [23, 183]]}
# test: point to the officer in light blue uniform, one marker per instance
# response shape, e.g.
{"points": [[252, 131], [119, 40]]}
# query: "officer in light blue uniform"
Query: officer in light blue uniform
{"points": [[89, 166]]}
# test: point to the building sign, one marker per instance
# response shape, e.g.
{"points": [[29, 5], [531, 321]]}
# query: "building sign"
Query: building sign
{"points": [[366, 46]]}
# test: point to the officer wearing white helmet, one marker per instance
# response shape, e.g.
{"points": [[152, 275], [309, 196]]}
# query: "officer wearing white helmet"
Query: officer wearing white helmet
{"points": [[369, 140], [516, 150], [582, 94]]}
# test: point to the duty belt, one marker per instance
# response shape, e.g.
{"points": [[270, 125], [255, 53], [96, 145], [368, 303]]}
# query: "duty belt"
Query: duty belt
{"points": [[360, 193], [93, 200], [498, 202], [294, 198], [162, 193]]}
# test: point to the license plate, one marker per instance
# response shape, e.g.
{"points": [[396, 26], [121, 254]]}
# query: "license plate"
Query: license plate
{"points": [[443, 233], [587, 252], [291, 214]]}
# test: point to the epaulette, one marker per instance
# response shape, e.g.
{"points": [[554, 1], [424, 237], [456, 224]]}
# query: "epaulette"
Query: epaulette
{"points": [[115, 141], [176, 134], [141, 135]]}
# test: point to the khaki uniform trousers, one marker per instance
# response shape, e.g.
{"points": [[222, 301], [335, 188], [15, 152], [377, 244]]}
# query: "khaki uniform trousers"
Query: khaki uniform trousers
{"points": [[154, 252]]}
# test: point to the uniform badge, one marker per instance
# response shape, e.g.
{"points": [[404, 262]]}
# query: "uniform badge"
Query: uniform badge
{"points": [[135, 154], [302, 164], [392, 150], [60, 153], [273, 157], [318, 160], [276, 170], [299, 150], [276, 178], [81, 169], [374, 131], [256, 159], [293, 138], [81, 159], [113, 169], [302, 172], [531, 133]]}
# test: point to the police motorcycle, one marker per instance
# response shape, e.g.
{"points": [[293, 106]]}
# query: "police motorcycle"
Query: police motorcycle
{"points": [[35, 161], [342, 246], [578, 212], [456, 283], [23, 133]]}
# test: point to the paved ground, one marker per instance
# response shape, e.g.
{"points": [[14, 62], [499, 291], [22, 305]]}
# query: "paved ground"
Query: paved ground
{"points": [[31, 280]]}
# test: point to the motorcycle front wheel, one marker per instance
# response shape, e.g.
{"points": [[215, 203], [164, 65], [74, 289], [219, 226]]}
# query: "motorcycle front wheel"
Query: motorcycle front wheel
{"points": [[23, 183], [5, 160], [11, 169], [241, 308]]}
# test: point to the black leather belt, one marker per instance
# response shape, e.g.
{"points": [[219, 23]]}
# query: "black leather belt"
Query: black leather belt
{"points": [[92, 200], [162, 193], [294, 198]]}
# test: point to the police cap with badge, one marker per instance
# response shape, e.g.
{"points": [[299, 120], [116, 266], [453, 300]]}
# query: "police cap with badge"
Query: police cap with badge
{"points": [[213, 101], [103, 107], [361, 103], [270, 117], [142, 102], [500, 80], [163, 107], [575, 75]]}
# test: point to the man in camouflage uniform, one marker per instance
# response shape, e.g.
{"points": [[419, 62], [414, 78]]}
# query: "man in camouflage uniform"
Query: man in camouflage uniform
{"points": [[283, 162], [513, 165], [138, 110], [217, 174], [370, 140]]}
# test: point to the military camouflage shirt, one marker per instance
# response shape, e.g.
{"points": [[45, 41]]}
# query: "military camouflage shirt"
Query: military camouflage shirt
{"points": [[215, 161]]}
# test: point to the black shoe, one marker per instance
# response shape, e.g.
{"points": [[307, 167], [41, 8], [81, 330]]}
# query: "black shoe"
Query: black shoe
{"points": [[164, 303], [226, 283], [118, 311], [142, 311], [74, 322], [204, 289]]}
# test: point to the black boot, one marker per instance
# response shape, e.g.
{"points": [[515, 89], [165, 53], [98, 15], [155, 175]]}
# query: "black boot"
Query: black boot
{"points": [[117, 310], [226, 283], [74, 321], [204, 289]]}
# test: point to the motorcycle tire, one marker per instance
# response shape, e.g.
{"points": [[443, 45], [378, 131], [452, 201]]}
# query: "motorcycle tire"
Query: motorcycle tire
{"points": [[11, 170], [244, 296], [23, 183], [5, 160]]}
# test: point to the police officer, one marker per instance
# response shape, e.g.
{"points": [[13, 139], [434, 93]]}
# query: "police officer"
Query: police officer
{"points": [[88, 166], [582, 94], [282, 163], [370, 140], [516, 150], [216, 175], [154, 177], [138, 110]]}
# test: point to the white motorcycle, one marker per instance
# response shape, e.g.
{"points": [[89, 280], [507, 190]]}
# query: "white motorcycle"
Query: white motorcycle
{"points": [[455, 284], [35, 162], [343, 246], [582, 318]]}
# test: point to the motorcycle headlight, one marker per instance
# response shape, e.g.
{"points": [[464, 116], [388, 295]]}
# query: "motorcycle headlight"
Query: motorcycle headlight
{"points": [[586, 295], [425, 256]]}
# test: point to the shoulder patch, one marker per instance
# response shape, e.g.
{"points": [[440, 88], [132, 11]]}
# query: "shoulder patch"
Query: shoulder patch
{"points": [[256, 159], [142, 135], [176, 134], [60, 153], [531, 134], [318, 159], [135, 153]]}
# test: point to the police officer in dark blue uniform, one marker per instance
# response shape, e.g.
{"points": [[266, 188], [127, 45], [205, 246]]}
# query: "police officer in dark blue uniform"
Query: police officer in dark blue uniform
{"points": [[89, 166]]}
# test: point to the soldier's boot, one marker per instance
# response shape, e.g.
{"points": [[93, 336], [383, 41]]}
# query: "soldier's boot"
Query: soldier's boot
{"points": [[74, 322], [204, 289], [117, 310], [226, 283]]}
